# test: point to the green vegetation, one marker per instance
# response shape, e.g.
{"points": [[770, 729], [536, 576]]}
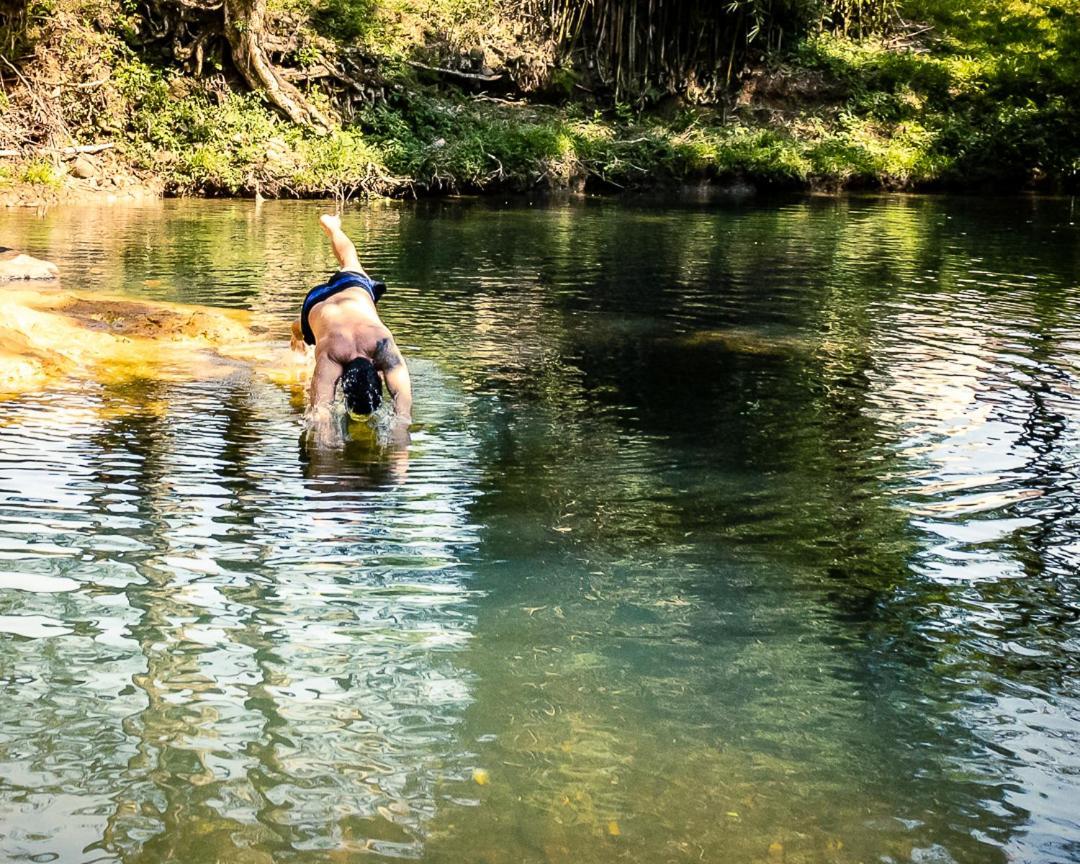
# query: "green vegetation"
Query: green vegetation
{"points": [[415, 96], [39, 172]]}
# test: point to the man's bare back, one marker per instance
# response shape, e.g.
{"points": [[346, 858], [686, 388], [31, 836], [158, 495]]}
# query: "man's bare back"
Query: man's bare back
{"points": [[351, 342]]}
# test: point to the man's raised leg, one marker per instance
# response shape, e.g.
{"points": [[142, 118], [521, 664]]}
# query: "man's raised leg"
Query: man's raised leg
{"points": [[343, 246]]}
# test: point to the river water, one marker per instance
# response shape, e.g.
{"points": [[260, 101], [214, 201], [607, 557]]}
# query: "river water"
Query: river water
{"points": [[740, 533]]}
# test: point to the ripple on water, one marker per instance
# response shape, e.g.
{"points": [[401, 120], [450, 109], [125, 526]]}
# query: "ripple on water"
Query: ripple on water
{"points": [[36, 583], [32, 626], [744, 534]]}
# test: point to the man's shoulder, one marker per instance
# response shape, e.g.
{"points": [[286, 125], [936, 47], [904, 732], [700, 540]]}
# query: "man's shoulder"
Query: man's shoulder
{"points": [[344, 344], [386, 354]]}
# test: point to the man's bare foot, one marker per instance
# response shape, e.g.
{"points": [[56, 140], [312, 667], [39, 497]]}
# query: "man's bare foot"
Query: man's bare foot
{"points": [[330, 223]]}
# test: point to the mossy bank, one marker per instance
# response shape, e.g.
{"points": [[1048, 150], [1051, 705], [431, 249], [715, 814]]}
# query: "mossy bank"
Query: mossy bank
{"points": [[393, 97]]}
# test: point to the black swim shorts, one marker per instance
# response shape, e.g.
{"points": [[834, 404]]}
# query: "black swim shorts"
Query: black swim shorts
{"points": [[338, 282]]}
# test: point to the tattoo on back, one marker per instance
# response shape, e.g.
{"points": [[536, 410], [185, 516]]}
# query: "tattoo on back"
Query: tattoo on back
{"points": [[387, 356]]}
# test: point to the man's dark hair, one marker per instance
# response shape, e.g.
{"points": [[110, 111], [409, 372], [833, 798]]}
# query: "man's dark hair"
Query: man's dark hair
{"points": [[362, 386]]}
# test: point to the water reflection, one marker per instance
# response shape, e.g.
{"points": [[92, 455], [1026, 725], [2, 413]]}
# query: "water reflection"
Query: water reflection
{"points": [[987, 424], [745, 534], [361, 461], [282, 683]]}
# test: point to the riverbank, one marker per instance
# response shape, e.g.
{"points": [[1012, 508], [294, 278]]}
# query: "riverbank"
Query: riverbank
{"points": [[968, 103], [73, 191]]}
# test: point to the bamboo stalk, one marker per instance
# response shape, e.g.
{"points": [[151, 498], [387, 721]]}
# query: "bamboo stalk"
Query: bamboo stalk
{"points": [[670, 45]]}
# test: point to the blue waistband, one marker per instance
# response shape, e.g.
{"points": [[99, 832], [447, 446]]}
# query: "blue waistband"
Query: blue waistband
{"points": [[338, 282]]}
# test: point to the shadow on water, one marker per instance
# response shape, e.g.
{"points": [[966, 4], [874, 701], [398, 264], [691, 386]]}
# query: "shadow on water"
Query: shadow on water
{"points": [[743, 534]]}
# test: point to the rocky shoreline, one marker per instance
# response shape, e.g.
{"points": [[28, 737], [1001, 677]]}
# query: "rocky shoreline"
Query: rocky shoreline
{"points": [[79, 178]]}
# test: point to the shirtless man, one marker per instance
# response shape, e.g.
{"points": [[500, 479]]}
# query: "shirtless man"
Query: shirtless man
{"points": [[351, 343]]}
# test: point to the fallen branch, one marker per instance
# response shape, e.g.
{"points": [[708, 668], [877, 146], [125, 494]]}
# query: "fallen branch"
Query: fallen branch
{"points": [[86, 85], [454, 73], [483, 97], [342, 75], [905, 39], [63, 151]]}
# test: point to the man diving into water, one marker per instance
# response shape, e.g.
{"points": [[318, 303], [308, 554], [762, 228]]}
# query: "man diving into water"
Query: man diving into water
{"points": [[352, 345]]}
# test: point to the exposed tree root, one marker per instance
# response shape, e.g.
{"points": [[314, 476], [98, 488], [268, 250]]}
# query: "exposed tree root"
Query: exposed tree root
{"points": [[245, 24]]}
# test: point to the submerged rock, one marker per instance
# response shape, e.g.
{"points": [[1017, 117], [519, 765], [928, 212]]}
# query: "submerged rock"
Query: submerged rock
{"points": [[750, 340], [16, 265], [47, 334]]}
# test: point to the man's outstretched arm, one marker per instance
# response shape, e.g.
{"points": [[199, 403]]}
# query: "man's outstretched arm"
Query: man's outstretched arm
{"points": [[323, 381], [320, 416], [389, 361], [344, 250]]}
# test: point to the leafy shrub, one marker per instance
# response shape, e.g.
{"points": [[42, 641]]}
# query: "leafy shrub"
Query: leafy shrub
{"points": [[40, 172]]}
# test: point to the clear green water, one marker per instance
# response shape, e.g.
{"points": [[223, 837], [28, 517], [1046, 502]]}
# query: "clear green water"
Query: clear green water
{"points": [[726, 535]]}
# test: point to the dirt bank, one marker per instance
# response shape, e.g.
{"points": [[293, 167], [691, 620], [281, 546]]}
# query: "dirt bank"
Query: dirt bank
{"points": [[78, 192]]}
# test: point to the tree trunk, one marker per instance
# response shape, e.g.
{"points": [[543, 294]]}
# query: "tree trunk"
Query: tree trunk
{"points": [[245, 22]]}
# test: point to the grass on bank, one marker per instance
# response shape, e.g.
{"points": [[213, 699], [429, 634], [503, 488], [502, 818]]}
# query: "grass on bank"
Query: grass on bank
{"points": [[428, 143], [924, 115]]}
